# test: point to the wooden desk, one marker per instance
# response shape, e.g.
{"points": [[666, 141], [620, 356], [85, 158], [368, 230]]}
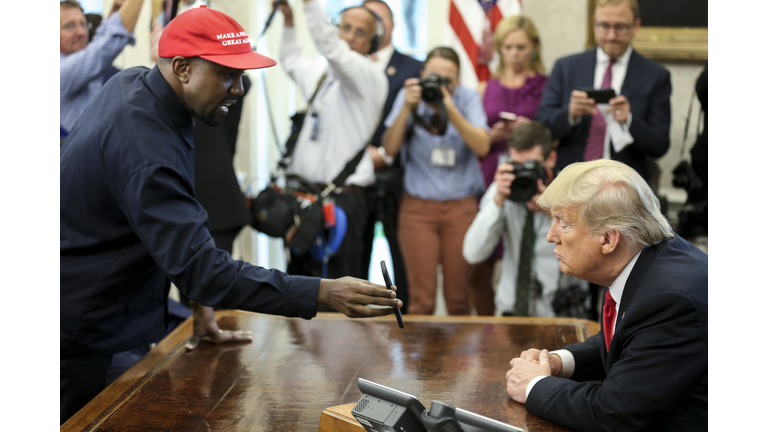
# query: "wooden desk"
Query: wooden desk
{"points": [[295, 369]]}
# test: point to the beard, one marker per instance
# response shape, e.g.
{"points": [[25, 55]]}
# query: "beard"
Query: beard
{"points": [[211, 119]]}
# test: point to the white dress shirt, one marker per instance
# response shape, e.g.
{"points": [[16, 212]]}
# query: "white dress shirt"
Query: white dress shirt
{"points": [[616, 132], [348, 104], [382, 57], [617, 290]]}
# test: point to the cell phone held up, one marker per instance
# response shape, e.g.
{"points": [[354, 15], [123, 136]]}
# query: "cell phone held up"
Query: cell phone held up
{"points": [[601, 96], [507, 116], [388, 282]]}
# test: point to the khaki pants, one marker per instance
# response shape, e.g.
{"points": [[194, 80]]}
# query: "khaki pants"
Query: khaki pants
{"points": [[432, 232]]}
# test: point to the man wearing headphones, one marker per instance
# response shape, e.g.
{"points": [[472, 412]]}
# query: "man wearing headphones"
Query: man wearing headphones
{"points": [[350, 92]]}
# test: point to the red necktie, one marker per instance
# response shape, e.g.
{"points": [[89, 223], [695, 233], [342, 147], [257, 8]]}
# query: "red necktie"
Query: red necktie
{"points": [[596, 137], [609, 316]]}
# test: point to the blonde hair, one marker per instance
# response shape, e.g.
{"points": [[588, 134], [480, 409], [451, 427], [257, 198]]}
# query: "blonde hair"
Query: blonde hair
{"points": [[507, 26], [609, 195]]}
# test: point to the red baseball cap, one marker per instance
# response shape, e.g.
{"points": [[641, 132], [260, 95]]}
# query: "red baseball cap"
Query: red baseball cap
{"points": [[212, 35]]}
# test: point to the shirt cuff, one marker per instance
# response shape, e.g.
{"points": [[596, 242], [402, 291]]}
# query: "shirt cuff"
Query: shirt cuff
{"points": [[569, 364], [387, 158], [531, 384]]}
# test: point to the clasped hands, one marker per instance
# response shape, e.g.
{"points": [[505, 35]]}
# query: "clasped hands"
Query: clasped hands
{"points": [[532, 363]]}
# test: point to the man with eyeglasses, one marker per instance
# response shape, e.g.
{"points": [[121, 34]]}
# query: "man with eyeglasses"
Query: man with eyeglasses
{"points": [[341, 121], [84, 66], [634, 126]]}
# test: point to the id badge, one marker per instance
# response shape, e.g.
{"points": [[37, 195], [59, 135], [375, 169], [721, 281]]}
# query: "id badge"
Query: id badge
{"points": [[443, 156]]}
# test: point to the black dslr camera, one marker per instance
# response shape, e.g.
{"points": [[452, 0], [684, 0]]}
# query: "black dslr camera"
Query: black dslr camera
{"points": [[692, 217], [527, 175], [430, 89]]}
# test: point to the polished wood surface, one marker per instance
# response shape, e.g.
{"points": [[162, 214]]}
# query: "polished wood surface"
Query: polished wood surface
{"points": [[295, 369]]}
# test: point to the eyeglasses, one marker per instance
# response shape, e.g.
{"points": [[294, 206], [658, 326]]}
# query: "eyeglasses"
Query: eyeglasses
{"points": [[71, 26], [620, 29], [356, 33]]}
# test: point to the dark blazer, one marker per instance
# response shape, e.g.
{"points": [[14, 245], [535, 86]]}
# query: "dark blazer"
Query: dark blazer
{"points": [[402, 68], [647, 86], [216, 186], [655, 373]]}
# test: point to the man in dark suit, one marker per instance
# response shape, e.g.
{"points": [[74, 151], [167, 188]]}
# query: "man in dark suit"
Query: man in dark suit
{"points": [[651, 352], [637, 120], [384, 196]]}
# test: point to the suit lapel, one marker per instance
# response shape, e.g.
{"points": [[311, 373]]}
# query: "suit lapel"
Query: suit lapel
{"points": [[647, 256], [632, 75], [585, 76], [393, 65], [635, 278]]}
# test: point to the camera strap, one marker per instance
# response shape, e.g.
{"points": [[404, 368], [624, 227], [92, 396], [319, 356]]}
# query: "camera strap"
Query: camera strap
{"points": [[337, 183], [687, 124], [433, 127], [298, 123]]}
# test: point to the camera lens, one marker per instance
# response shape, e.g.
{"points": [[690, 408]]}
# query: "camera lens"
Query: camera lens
{"points": [[525, 185], [430, 89]]}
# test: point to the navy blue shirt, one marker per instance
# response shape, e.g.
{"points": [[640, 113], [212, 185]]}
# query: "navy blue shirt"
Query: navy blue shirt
{"points": [[130, 223]]}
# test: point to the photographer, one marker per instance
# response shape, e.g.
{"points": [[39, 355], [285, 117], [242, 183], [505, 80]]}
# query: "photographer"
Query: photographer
{"points": [[441, 129], [342, 119], [530, 274]]}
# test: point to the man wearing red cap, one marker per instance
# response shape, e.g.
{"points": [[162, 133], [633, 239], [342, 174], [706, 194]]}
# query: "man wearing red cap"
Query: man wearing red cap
{"points": [[130, 223], [341, 121]]}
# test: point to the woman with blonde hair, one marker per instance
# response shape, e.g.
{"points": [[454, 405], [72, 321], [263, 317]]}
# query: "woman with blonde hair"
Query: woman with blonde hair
{"points": [[516, 88]]}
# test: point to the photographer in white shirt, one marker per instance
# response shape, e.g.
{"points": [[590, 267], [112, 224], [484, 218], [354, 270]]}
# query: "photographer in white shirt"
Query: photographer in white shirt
{"points": [[501, 217]]}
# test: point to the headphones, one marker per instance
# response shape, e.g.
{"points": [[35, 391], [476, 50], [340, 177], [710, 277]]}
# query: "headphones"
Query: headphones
{"points": [[378, 35]]}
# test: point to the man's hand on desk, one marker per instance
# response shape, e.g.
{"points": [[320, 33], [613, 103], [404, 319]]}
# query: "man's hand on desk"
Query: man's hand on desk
{"points": [[204, 327], [531, 364], [350, 296]]}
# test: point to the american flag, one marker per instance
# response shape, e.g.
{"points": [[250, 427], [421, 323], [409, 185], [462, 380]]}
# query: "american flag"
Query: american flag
{"points": [[471, 35]]}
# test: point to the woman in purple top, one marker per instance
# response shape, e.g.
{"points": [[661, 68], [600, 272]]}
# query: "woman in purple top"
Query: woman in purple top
{"points": [[516, 89]]}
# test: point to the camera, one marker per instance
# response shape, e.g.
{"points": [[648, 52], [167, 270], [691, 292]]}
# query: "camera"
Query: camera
{"points": [[527, 174], [430, 89], [685, 177]]}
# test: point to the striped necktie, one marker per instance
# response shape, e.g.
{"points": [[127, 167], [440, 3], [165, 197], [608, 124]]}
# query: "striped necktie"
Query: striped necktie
{"points": [[596, 137]]}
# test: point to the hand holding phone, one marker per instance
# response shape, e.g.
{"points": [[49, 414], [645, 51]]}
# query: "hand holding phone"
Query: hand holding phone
{"points": [[507, 116], [388, 282], [601, 96]]}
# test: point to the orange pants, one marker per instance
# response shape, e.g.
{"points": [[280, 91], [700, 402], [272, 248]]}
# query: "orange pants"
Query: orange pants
{"points": [[432, 232]]}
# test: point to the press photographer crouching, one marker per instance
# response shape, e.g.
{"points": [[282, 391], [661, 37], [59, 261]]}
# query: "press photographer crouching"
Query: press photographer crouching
{"points": [[530, 275], [440, 136]]}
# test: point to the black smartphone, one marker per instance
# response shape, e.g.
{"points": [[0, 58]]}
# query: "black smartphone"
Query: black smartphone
{"points": [[600, 96], [388, 282]]}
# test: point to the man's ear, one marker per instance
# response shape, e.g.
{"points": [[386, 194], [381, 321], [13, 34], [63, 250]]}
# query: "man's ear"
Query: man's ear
{"points": [[181, 68], [610, 241]]}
